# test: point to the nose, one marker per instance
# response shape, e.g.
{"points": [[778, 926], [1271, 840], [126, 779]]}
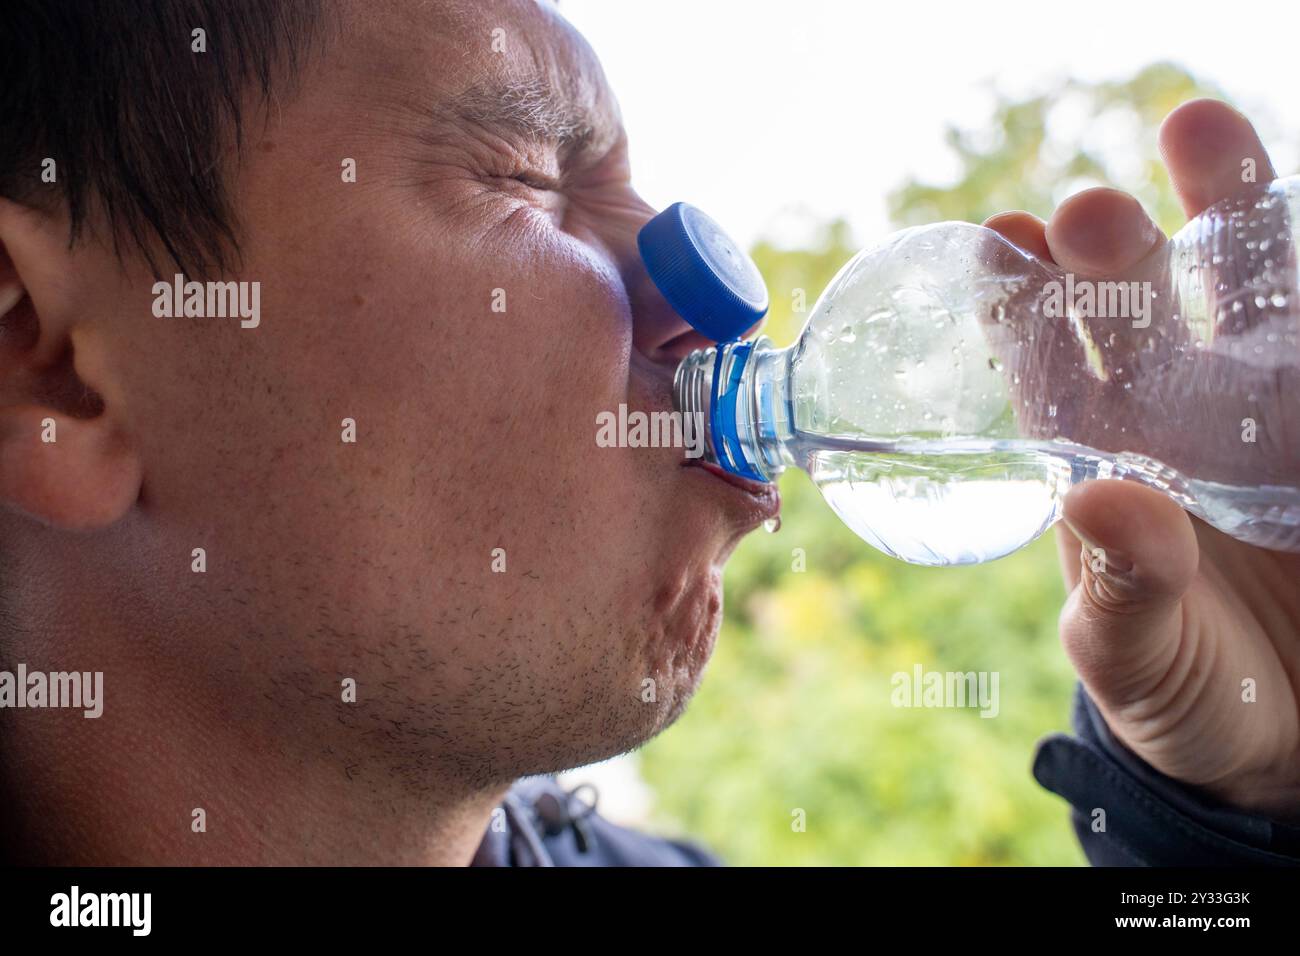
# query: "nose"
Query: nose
{"points": [[659, 331]]}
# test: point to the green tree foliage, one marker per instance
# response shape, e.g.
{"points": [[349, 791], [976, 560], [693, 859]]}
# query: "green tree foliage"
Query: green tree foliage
{"points": [[794, 722], [1019, 160]]}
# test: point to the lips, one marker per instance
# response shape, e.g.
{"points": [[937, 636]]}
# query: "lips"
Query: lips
{"points": [[760, 496]]}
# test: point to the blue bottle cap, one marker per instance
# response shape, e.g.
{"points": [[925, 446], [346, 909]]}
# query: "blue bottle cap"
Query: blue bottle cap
{"points": [[704, 275]]}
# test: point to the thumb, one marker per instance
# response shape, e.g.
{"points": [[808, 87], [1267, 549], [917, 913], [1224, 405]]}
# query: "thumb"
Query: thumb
{"points": [[1123, 622]]}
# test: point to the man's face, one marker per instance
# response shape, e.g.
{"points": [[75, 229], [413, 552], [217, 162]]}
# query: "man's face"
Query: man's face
{"points": [[475, 426]]}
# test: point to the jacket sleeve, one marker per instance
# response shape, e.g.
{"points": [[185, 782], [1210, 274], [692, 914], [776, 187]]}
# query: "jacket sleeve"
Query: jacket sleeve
{"points": [[1126, 813]]}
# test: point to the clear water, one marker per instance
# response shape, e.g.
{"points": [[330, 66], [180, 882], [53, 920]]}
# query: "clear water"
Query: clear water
{"points": [[939, 504]]}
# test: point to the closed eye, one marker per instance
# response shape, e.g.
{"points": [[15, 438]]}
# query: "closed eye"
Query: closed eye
{"points": [[537, 181]]}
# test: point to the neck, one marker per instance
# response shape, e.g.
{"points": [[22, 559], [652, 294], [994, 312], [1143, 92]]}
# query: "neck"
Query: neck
{"points": [[167, 776]]}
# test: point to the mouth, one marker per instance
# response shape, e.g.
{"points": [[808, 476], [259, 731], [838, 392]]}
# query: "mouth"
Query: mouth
{"points": [[761, 498], [747, 502]]}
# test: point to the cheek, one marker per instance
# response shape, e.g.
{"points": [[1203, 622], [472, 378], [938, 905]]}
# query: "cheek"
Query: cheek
{"points": [[475, 369], [528, 340], [538, 343], [501, 345]]}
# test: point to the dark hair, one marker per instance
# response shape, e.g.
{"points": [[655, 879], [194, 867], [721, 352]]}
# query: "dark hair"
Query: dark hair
{"points": [[137, 123]]}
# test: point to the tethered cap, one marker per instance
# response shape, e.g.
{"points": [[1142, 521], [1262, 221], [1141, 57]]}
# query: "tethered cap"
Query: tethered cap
{"points": [[707, 279]]}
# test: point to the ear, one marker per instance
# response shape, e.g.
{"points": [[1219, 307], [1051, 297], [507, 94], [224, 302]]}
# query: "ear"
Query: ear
{"points": [[65, 457]]}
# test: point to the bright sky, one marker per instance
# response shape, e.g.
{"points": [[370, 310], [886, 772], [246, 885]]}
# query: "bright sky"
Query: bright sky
{"points": [[748, 108]]}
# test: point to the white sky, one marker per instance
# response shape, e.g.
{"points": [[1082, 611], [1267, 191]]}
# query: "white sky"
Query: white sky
{"points": [[749, 108]]}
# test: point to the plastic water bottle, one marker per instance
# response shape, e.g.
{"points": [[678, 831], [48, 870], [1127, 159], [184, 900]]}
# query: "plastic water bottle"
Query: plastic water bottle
{"points": [[948, 389]]}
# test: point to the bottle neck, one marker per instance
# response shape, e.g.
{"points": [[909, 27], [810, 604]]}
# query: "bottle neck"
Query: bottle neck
{"points": [[741, 390]]}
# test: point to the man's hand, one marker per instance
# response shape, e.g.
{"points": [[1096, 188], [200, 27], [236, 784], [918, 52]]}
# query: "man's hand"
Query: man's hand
{"points": [[1167, 636]]}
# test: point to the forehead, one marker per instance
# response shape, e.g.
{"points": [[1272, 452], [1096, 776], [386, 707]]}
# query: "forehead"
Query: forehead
{"points": [[497, 62]]}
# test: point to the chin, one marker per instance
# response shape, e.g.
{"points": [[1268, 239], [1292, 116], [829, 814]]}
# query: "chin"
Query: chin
{"points": [[687, 615], [682, 638]]}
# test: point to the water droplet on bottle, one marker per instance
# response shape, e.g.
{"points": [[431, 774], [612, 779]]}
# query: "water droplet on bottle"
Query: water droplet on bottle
{"points": [[772, 525]]}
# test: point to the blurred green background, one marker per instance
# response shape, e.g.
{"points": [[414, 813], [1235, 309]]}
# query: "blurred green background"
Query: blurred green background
{"points": [[794, 713]]}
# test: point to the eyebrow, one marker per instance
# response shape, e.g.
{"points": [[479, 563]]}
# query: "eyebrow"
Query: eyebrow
{"points": [[529, 108]]}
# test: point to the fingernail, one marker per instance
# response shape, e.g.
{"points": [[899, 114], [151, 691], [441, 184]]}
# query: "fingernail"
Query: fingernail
{"points": [[1096, 558]]}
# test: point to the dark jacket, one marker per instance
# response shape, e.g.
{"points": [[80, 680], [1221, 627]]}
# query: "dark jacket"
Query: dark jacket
{"points": [[1124, 812], [1149, 819], [542, 824]]}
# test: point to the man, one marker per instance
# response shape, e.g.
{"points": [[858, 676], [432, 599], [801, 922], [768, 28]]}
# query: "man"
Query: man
{"points": [[338, 535]]}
